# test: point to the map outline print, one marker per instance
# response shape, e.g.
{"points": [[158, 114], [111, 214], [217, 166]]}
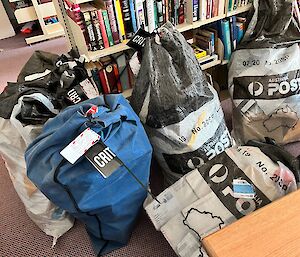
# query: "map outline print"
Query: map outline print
{"points": [[202, 213], [280, 111]]}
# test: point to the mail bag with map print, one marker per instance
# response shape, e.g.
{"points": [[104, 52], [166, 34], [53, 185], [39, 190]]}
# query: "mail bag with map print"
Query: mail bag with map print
{"points": [[264, 76], [233, 184]]}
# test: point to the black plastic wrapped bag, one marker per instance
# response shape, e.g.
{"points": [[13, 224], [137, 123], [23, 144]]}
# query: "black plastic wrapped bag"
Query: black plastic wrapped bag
{"points": [[179, 108]]}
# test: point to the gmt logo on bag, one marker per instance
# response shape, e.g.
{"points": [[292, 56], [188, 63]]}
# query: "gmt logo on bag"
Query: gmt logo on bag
{"points": [[103, 159], [267, 87]]}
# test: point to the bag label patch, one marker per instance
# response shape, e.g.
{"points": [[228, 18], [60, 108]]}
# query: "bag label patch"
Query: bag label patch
{"points": [[73, 151], [103, 159], [242, 189]]}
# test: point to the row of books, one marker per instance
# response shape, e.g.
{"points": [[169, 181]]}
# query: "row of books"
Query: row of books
{"points": [[234, 4], [206, 9], [108, 24], [230, 31], [111, 75]]}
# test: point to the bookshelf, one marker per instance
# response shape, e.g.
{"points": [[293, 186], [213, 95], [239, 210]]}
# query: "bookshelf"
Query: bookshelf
{"points": [[38, 12], [77, 41]]}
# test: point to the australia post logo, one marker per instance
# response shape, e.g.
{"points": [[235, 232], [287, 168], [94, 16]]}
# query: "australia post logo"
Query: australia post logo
{"points": [[283, 88], [267, 87]]}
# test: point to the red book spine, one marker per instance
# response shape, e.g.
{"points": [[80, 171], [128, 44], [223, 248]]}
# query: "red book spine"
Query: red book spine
{"points": [[104, 81], [112, 21], [119, 85], [215, 8], [208, 9], [103, 30]]}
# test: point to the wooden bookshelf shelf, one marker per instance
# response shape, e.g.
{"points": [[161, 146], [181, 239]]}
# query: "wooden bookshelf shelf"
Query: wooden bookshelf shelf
{"points": [[95, 55], [184, 27], [239, 10], [52, 31], [47, 9], [127, 93], [198, 24]]}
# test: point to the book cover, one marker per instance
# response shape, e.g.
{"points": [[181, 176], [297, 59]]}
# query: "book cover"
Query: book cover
{"points": [[240, 31], [139, 8], [112, 21], [145, 15], [133, 17], [221, 7], [229, 5], [233, 33], [155, 15], [79, 19], [209, 9], [204, 43], [118, 78], [167, 18], [202, 9], [123, 71], [225, 28], [215, 8], [103, 29], [181, 13], [104, 81], [97, 30], [119, 19], [107, 27], [90, 31], [111, 78], [127, 19], [195, 10], [150, 16], [95, 76], [210, 35]]}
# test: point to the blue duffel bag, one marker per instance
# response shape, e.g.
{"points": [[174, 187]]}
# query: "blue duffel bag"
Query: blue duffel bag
{"points": [[107, 206]]}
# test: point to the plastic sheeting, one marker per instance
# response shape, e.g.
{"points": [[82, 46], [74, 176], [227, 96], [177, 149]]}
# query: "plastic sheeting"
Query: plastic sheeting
{"points": [[264, 76], [180, 110], [204, 200], [14, 139]]}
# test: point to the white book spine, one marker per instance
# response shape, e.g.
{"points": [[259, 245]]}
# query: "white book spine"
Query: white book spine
{"points": [[150, 12], [140, 14]]}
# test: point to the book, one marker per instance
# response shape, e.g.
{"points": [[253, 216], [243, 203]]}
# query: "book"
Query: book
{"points": [[127, 19], [166, 9], [133, 17], [139, 8], [150, 16], [112, 21], [225, 37], [104, 81], [209, 9], [233, 32], [97, 30], [203, 43], [210, 35], [181, 12], [123, 71], [215, 7], [90, 30], [240, 31], [202, 10], [107, 27], [145, 15], [103, 29], [199, 53], [221, 7], [119, 19], [95, 76], [155, 15], [195, 9]]}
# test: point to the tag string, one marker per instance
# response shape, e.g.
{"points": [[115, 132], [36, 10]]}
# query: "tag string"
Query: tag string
{"points": [[140, 182]]}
